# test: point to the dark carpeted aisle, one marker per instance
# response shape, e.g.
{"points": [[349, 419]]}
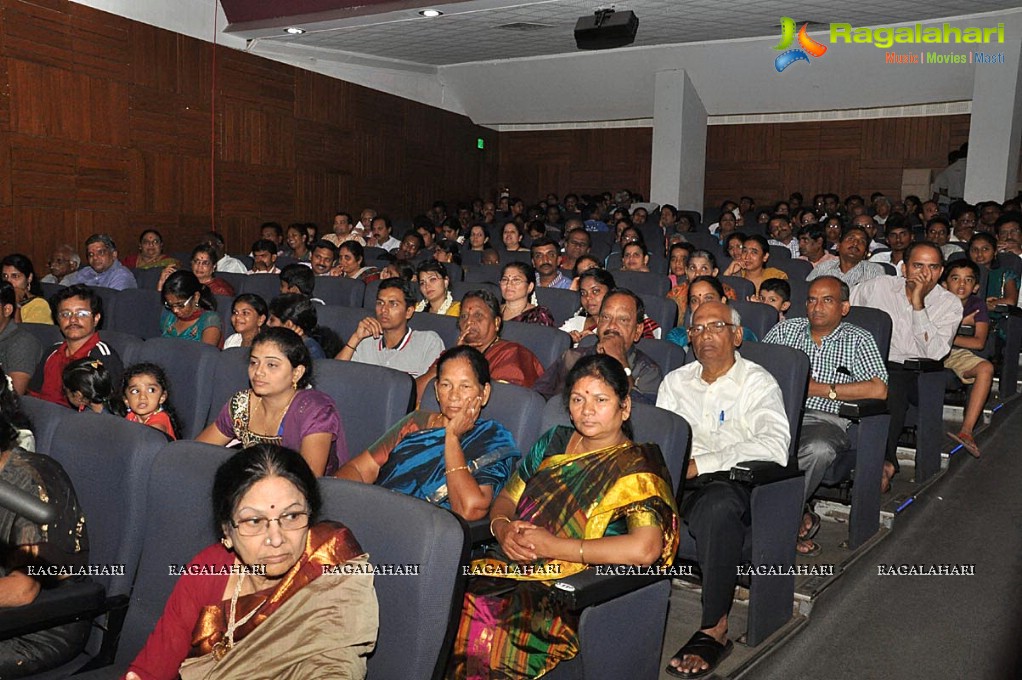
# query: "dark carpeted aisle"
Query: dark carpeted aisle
{"points": [[870, 626]]}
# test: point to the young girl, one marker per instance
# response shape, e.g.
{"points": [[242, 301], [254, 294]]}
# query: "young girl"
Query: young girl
{"points": [[87, 385], [145, 393], [248, 315]]}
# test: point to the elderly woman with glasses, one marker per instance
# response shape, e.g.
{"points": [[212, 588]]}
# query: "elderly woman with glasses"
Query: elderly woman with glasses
{"points": [[265, 601], [150, 253], [190, 310], [518, 288]]}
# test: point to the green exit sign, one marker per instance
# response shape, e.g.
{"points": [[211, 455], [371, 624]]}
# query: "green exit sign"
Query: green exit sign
{"points": [[480, 143]]}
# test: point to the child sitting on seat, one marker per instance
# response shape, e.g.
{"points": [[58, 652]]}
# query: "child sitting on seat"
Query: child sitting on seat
{"points": [[87, 385], [962, 279], [147, 398], [777, 294]]}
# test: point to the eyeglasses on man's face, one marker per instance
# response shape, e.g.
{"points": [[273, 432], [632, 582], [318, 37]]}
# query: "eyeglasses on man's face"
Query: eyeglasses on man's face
{"points": [[714, 328], [77, 313]]}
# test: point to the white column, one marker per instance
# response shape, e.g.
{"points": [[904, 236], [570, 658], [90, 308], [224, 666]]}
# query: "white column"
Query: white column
{"points": [[678, 171], [995, 130]]}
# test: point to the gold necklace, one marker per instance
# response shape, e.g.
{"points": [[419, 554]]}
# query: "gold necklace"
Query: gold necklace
{"points": [[283, 412]]}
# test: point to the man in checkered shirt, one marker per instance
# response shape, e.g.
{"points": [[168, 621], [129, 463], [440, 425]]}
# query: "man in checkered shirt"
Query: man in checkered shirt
{"points": [[846, 365]]}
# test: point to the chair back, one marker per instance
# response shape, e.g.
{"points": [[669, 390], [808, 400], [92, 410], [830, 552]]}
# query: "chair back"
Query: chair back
{"points": [[137, 311], [792, 266], [342, 320], [340, 290], [758, 317], [178, 525], [189, 366], [369, 398], [441, 324], [661, 310], [125, 344], [779, 254], [148, 278], [548, 344], [561, 302], [647, 283], [875, 321], [230, 375], [46, 418], [266, 286], [790, 368], [743, 287], [418, 614], [460, 288], [667, 355], [483, 273]]}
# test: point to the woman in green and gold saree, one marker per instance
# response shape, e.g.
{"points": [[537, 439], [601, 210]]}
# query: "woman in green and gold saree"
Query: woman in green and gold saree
{"points": [[582, 496]]}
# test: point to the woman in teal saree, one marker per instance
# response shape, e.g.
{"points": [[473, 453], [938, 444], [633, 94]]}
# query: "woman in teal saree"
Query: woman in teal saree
{"points": [[450, 458]]}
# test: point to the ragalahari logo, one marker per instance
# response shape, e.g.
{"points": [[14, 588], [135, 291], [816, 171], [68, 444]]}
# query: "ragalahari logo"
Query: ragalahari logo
{"points": [[807, 44]]}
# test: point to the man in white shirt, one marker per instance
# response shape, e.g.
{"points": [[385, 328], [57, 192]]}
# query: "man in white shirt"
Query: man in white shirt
{"points": [[925, 318], [780, 230], [851, 265], [386, 340], [898, 238], [264, 257], [736, 412], [381, 234], [225, 263]]}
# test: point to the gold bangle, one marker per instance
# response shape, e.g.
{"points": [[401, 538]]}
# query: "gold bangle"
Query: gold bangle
{"points": [[581, 552], [455, 469], [498, 517]]}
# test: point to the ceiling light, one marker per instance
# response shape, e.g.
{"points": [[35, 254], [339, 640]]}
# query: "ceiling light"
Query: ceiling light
{"points": [[294, 30], [431, 13]]}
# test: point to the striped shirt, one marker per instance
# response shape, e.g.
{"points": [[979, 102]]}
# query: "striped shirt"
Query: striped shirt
{"points": [[848, 346], [864, 271]]}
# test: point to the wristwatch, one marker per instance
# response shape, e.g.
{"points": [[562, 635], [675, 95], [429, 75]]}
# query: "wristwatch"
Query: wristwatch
{"points": [[832, 395]]}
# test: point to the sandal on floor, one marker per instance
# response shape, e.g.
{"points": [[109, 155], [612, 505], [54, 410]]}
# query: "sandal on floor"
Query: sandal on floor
{"points": [[814, 525], [967, 442], [810, 552], [707, 649], [885, 480]]}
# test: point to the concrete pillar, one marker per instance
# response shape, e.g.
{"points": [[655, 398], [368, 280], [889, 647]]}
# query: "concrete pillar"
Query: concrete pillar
{"points": [[995, 130], [678, 170]]}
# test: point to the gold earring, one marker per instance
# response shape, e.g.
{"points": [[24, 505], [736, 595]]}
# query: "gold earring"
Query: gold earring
{"points": [[294, 385], [227, 542]]}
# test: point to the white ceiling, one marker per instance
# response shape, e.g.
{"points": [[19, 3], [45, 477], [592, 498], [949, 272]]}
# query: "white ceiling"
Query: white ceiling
{"points": [[472, 31]]}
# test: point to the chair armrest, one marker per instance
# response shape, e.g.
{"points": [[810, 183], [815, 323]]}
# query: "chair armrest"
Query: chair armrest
{"points": [[756, 472], [479, 532], [587, 588], [1010, 310], [966, 331], [923, 365], [862, 408], [53, 607]]}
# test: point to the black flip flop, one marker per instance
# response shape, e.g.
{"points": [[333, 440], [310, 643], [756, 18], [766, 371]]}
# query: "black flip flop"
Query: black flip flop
{"points": [[814, 525], [707, 649]]}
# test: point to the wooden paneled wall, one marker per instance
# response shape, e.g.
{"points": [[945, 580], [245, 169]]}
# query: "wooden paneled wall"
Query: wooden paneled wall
{"points": [[769, 161], [533, 164], [107, 124]]}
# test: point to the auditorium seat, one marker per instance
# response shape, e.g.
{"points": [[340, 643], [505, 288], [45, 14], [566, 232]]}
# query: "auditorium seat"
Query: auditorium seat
{"points": [[561, 302], [483, 273], [648, 283], [369, 398], [267, 286], [340, 290], [189, 367], [342, 320], [444, 326], [758, 317], [136, 311], [230, 375], [545, 342]]}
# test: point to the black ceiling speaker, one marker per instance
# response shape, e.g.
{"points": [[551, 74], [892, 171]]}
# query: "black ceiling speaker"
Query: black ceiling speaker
{"points": [[606, 29]]}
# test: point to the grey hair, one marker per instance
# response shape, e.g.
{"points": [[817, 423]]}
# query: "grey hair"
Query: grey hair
{"points": [[72, 254], [736, 318]]}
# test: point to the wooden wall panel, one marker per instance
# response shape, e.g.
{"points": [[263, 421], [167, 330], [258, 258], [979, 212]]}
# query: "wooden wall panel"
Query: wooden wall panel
{"points": [[769, 161], [533, 164], [113, 125]]}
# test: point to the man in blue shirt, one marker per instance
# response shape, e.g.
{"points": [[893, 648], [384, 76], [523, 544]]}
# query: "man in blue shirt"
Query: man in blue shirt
{"points": [[104, 269]]}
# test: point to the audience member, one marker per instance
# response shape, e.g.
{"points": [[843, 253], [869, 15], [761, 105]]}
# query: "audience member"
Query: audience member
{"points": [[264, 257], [298, 314], [29, 550], [678, 261], [635, 257], [323, 258], [282, 402], [1009, 233], [781, 234], [511, 236], [851, 265], [480, 323], [924, 318], [962, 279], [898, 239], [593, 285], [248, 316], [434, 285], [1002, 282], [576, 244], [453, 458], [103, 269], [385, 338], [298, 279], [381, 234], [704, 289], [812, 245], [266, 500], [223, 262], [938, 232], [146, 394], [517, 287], [752, 265], [343, 230], [189, 310], [88, 386], [736, 413], [297, 239], [78, 311], [19, 350], [150, 252], [31, 307], [700, 263], [777, 294], [204, 268], [846, 366], [546, 516], [544, 259], [63, 262], [618, 328], [351, 263]]}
